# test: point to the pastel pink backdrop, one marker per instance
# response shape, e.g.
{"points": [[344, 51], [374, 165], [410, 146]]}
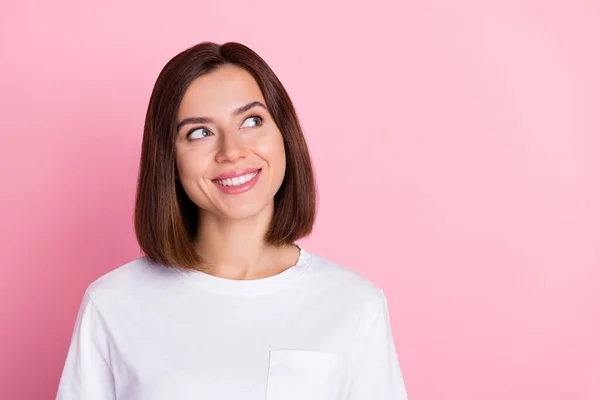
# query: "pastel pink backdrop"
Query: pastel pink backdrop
{"points": [[456, 145]]}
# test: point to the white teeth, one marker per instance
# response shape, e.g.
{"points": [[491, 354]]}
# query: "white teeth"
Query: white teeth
{"points": [[238, 180]]}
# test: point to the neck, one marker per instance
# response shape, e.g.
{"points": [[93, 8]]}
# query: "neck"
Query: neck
{"points": [[236, 249]]}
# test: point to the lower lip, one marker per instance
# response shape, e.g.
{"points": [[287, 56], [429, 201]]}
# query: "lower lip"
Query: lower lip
{"points": [[244, 187]]}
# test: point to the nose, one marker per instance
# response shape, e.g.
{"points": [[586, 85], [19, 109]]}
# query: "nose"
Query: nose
{"points": [[230, 148]]}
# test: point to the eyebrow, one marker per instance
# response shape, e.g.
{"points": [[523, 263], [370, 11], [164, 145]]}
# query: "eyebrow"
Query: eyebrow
{"points": [[207, 120]]}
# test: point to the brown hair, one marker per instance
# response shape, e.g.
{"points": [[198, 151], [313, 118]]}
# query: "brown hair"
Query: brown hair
{"points": [[166, 220]]}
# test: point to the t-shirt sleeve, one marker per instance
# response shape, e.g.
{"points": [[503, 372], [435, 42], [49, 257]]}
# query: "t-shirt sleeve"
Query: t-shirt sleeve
{"points": [[374, 367], [87, 373]]}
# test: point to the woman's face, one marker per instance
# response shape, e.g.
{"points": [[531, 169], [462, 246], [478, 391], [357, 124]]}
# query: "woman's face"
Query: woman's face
{"points": [[229, 152]]}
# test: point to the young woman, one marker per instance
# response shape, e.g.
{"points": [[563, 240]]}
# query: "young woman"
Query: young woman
{"points": [[224, 305]]}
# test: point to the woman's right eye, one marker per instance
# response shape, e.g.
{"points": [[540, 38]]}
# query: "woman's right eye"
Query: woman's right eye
{"points": [[198, 133]]}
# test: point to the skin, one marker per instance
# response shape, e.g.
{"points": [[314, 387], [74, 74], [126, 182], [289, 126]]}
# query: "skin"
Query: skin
{"points": [[232, 227]]}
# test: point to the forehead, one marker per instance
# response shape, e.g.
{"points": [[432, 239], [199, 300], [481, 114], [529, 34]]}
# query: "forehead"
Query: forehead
{"points": [[219, 92]]}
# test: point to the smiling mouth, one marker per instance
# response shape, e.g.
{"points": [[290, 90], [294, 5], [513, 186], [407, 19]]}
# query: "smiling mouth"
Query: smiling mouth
{"points": [[238, 180]]}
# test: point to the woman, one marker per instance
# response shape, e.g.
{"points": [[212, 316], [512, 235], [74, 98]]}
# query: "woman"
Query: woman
{"points": [[224, 305]]}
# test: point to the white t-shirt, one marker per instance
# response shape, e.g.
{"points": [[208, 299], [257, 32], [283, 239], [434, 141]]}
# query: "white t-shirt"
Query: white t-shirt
{"points": [[316, 331]]}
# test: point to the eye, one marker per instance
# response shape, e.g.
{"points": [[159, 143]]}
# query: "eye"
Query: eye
{"points": [[255, 120], [198, 133]]}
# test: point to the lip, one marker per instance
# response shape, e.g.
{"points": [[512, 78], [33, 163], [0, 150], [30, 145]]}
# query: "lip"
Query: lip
{"points": [[235, 173], [244, 187]]}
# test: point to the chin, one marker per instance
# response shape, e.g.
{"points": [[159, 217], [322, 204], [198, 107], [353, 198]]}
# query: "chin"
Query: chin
{"points": [[248, 205], [245, 211]]}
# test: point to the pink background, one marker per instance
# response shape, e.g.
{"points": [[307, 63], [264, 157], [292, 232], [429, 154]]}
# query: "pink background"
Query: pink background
{"points": [[456, 145]]}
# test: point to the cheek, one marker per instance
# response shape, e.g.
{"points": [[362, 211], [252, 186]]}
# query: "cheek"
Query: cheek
{"points": [[190, 164], [271, 148], [192, 169]]}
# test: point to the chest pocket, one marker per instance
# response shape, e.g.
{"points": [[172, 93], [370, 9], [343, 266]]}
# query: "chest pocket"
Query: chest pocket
{"points": [[302, 375]]}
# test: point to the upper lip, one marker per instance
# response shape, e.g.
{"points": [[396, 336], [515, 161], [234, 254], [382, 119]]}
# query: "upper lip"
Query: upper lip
{"points": [[235, 173]]}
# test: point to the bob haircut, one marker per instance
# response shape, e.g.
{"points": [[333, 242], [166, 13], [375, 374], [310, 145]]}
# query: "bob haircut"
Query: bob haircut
{"points": [[166, 220]]}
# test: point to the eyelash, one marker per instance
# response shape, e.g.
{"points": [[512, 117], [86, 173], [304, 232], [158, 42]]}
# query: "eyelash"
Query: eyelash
{"points": [[260, 119]]}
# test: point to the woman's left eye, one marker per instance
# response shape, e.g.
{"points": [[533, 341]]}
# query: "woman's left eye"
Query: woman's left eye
{"points": [[255, 120]]}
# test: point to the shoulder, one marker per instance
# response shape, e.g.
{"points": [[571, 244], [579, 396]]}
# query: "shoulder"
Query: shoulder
{"points": [[129, 280], [344, 281]]}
